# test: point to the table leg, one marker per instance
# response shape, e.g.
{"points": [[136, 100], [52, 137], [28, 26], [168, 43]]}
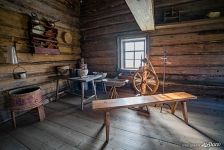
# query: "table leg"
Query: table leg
{"points": [[107, 124], [69, 85], [110, 92], [115, 93], [13, 115], [184, 111], [94, 89], [83, 95], [105, 87], [57, 88]]}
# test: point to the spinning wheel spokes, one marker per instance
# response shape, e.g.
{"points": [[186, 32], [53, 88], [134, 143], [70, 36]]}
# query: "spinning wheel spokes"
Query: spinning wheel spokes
{"points": [[149, 88], [146, 82]]}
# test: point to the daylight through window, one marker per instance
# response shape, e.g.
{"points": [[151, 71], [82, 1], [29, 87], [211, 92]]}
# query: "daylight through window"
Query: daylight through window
{"points": [[131, 52]]}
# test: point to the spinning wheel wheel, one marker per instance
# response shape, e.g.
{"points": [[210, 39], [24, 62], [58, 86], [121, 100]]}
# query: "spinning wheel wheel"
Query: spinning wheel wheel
{"points": [[145, 81]]}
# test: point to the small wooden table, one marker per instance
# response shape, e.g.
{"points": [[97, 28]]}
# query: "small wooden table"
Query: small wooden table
{"points": [[83, 80], [58, 78], [110, 104], [114, 84]]}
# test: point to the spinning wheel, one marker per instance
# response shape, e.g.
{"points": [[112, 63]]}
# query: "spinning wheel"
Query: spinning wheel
{"points": [[145, 82]]}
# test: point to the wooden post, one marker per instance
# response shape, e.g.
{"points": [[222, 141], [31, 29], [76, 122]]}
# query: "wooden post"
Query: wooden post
{"points": [[13, 118], [41, 112], [184, 111], [174, 107], [107, 124]]}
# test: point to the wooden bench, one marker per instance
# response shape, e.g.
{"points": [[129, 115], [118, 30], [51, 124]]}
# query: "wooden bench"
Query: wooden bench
{"points": [[110, 104]]}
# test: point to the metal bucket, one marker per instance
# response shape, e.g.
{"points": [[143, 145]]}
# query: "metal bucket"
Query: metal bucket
{"points": [[19, 75]]}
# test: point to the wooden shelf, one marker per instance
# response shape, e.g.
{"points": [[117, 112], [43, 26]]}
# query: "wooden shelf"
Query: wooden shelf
{"points": [[46, 40], [50, 51], [43, 24], [39, 35], [190, 23], [45, 43]]}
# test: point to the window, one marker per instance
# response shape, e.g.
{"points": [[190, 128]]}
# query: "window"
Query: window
{"points": [[131, 51]]}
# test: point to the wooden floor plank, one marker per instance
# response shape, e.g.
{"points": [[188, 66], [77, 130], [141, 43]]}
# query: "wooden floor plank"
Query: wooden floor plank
{"points": [[67, 127], [161, 129], [118, 137], [9, 143], [190, 133], [70, 136], [35, 138]]}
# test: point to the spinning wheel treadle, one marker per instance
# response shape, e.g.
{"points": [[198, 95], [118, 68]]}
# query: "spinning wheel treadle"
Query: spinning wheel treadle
{"points": [[145, 82]]}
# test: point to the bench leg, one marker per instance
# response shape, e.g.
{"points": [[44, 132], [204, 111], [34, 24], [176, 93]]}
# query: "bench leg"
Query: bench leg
{"points": [[184, 111], [173, 109], [107, 124], [41, 112], [13, 115]]}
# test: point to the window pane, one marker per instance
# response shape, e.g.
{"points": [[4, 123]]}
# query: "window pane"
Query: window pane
{"points": [[129, 64], [129, 46], [139, 55], [139, 45], [137, 63], [129, 55]]}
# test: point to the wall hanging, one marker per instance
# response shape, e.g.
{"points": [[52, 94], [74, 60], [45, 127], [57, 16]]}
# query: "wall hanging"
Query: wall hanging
{"points": [[43, 35]]}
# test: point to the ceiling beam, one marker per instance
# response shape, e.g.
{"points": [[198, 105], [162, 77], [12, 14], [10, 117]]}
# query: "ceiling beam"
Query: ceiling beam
{"points": [[143, 13]]}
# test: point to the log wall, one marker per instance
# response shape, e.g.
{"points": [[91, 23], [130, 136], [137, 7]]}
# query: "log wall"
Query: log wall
{"points": [[14, 17], [195, 49]]}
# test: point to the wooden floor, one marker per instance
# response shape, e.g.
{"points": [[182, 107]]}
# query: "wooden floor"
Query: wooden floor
{"points": [[66, 127]]}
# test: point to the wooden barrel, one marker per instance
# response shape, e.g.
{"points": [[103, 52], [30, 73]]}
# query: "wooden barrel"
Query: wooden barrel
{"points": [[25, 98]]}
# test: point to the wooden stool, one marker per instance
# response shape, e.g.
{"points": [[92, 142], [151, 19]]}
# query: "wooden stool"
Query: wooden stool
{"points": [[26, 98], [39, 109], [114, 84]]}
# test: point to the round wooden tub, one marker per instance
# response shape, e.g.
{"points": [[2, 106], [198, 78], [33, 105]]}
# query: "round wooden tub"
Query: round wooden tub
{"points": [[25, 98]]}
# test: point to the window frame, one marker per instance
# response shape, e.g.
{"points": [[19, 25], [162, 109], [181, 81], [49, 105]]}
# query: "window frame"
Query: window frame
{"points": [[121, 50]]}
